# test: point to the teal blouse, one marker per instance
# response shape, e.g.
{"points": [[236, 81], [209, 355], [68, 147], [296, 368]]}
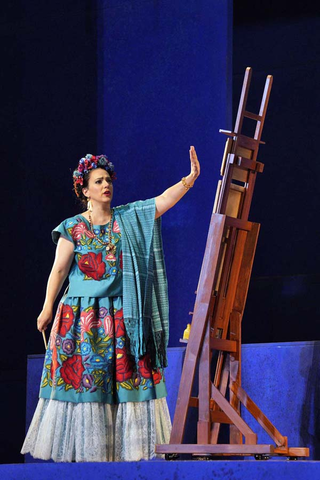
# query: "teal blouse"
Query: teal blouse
{"points": [[94, 272], [140, 268]]}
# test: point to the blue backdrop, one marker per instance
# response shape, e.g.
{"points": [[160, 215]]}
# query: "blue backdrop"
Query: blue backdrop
{"points": [[164, 83]]}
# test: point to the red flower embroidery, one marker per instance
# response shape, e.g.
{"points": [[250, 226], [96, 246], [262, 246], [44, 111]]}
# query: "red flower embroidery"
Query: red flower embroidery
{"points": [[92, 265], [116, 228], [88, 320], [72, 370], [55, 326], [121, 265], [119, 327], [66, 320], [108, 326], [80, 229], [124, 366], [54, 362], [156, 377], [145, 366], [110, 258]]}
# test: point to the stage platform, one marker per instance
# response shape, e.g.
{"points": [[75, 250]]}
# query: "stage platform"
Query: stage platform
{"points": [[162, 470], [282, 378]]}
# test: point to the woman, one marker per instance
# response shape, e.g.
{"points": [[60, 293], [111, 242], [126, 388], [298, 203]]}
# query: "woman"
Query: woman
{"points": [[102, 392]]}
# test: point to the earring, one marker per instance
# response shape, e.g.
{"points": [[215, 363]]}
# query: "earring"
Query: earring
{"points": [[89, 205]]}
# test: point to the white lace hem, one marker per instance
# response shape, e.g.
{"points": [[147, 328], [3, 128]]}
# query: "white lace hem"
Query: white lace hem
{"points": [[97, 432]]}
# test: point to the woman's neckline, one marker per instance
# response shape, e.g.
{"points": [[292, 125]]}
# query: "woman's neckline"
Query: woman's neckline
{"points": [[94, 224]]}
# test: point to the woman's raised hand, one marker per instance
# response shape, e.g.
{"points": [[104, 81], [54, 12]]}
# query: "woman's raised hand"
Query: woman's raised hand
{"points": [[195, 166], [173, 194]]}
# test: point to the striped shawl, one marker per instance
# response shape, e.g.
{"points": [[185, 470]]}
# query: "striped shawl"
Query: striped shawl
{"points": [[145, 290]]}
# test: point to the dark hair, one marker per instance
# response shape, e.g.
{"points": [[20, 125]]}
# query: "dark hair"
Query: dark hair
{"points": [[78, 188], [82, 173]]}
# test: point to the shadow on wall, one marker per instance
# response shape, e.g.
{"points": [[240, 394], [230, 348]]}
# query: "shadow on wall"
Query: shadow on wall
{"points": [[310, 415]]}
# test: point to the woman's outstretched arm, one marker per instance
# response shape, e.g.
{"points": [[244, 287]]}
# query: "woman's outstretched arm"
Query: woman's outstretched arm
{"points": [[59, 272], [173, 194]]}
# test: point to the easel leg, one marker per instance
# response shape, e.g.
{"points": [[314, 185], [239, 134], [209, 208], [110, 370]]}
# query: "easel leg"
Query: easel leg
{"points": [[235, 373], [203, 428]]}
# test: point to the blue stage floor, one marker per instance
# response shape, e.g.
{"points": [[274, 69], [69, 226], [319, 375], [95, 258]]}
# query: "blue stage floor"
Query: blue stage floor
{"points": [[162, 470]]}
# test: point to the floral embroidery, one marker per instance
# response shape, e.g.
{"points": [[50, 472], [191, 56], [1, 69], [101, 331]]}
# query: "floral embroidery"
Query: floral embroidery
{"points": [[72, 370], [55, 364], [145, 366], [92, 265], [89, 250], [119, 324], [108, 326], [156, 376], [85, 348], [87, 380], [88, 320], [55, 326], [116, 227], [68, 346], [87, 354], [110, 257], [79, 230], [66, 320], [124, 365]]}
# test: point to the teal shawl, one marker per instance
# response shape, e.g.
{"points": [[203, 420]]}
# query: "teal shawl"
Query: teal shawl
{"points": [[145, 289]]}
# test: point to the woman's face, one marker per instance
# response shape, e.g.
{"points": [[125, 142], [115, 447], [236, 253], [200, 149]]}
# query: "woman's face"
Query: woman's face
{"points": [[100, 186]]}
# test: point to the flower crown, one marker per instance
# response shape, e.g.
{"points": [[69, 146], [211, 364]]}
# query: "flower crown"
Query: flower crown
{"points": [[88, 163]]}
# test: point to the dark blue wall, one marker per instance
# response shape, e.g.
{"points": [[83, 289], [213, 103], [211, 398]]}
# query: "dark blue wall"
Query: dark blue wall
{"points": [[164, 83], [49, 119], [282, 303]]}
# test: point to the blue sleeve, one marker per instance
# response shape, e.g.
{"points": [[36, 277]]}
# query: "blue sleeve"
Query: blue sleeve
{"points": [[64, 230]]}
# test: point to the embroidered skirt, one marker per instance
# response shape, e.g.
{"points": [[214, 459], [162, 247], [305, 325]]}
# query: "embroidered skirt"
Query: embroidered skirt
{"points": [[97, 403]]}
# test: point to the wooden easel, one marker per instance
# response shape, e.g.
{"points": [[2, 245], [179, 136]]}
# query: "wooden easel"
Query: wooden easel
{"points": [[219, 306]]}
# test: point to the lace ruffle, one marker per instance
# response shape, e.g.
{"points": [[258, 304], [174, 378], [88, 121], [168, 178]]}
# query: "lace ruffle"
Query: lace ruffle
{"points": [[97, 432]]}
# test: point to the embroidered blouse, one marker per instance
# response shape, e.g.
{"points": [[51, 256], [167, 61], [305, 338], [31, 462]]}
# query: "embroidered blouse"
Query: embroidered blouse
{"points": [[144, 285]]}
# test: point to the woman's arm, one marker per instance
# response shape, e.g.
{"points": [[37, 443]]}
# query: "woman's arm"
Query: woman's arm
{"points": [[59, 272], [173, 194]]}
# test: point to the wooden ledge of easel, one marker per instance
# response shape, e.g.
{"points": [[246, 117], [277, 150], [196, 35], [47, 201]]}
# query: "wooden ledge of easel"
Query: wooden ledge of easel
{"points": [[223, 345], [246, 164], [238, 223], [220, 344], [233, 134]]}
